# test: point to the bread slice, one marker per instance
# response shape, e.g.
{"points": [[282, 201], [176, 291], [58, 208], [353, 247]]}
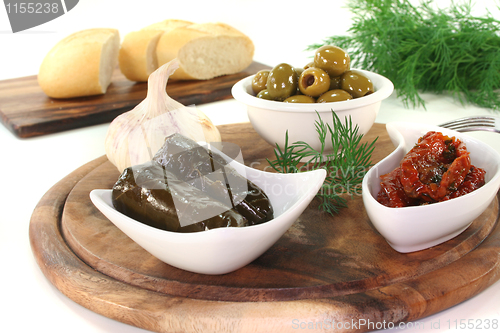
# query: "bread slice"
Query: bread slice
{"points": [[137, 57], [80, 64], [205, 51]]}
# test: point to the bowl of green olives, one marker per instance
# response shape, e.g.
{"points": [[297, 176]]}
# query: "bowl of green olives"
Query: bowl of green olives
{"points": [[290, 99]]}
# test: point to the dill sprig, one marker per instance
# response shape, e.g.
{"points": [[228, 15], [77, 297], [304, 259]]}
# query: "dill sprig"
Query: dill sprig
{"points": [[346, 163], [426, 49]]}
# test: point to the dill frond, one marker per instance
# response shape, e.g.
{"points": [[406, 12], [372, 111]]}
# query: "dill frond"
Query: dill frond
{"points": [[426, 49], [346, 163]]}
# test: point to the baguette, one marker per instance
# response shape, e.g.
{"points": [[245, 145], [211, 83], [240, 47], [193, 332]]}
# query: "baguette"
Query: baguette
{"points": [[205, 51], [80, 64], [137, 57], [167, 25]]}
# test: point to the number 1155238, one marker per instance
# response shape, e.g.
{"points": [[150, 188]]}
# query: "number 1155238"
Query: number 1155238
{"points": [[33, 8]]}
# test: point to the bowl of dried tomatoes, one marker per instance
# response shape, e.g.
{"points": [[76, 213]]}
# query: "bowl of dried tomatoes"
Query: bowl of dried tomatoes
{"points": [[431, 187]]}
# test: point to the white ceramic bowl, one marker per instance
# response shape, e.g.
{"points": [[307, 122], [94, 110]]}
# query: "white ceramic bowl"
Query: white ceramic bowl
{"points": [[410, 229], [222, 250], [272, 119]]}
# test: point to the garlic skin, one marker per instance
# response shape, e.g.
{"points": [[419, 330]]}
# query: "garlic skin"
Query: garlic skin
{"points": [[135, 136]]}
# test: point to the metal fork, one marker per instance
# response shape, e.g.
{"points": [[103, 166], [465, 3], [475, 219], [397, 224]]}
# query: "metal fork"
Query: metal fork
{"points": [[479, 123]]}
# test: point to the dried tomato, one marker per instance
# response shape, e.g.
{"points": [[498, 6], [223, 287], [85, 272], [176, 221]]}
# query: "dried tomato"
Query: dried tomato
{"points": [[392, 193], [473, 181], [438, 168]]}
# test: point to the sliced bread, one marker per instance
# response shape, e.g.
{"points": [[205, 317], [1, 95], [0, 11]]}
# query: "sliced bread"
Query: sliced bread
{"points": [[205, 51]]}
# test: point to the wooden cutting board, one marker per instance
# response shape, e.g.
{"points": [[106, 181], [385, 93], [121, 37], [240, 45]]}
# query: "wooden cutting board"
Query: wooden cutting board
{"points": [[324, 269], [27, 112]]}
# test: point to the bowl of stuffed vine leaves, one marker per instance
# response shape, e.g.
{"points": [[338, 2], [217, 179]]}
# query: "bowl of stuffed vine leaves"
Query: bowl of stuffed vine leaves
{"points": [[198, 209]]}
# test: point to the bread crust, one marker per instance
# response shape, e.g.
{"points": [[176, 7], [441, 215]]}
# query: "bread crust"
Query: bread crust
{"points": [[167, 25], [81, 64], [137, 57]]}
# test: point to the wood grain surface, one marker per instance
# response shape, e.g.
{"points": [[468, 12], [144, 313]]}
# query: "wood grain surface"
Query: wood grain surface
{"points": [[323, 269], [27, 112]]}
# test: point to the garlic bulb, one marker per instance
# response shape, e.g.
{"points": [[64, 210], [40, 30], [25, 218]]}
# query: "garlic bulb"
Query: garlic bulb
{"points": [[135, 136]]}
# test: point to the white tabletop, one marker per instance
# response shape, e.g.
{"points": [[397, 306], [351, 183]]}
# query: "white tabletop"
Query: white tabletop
{"points": [[29, 167]]}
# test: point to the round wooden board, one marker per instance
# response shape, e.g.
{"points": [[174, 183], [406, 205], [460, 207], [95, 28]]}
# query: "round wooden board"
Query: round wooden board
{"points": [[323, 269]]}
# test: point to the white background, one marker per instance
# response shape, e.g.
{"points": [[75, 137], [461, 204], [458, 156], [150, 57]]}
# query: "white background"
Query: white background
{"points": [[29, 167]]}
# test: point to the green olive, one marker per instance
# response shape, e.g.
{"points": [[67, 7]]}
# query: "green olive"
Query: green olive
{"points": [[332, 59], [299, 99], [282, 82], [264, 94], [314, 82], [334, 82], [310, 64], [357, 84], [299, 70], [335, 95], [259, 81]]}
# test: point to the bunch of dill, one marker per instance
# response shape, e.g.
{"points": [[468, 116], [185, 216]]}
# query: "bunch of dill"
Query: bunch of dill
{"points": [[426, 49]]}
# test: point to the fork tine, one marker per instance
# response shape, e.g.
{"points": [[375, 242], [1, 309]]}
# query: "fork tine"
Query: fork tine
{"points": [[472, 128], [478, 123], [470, 120], [471, 124]]}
